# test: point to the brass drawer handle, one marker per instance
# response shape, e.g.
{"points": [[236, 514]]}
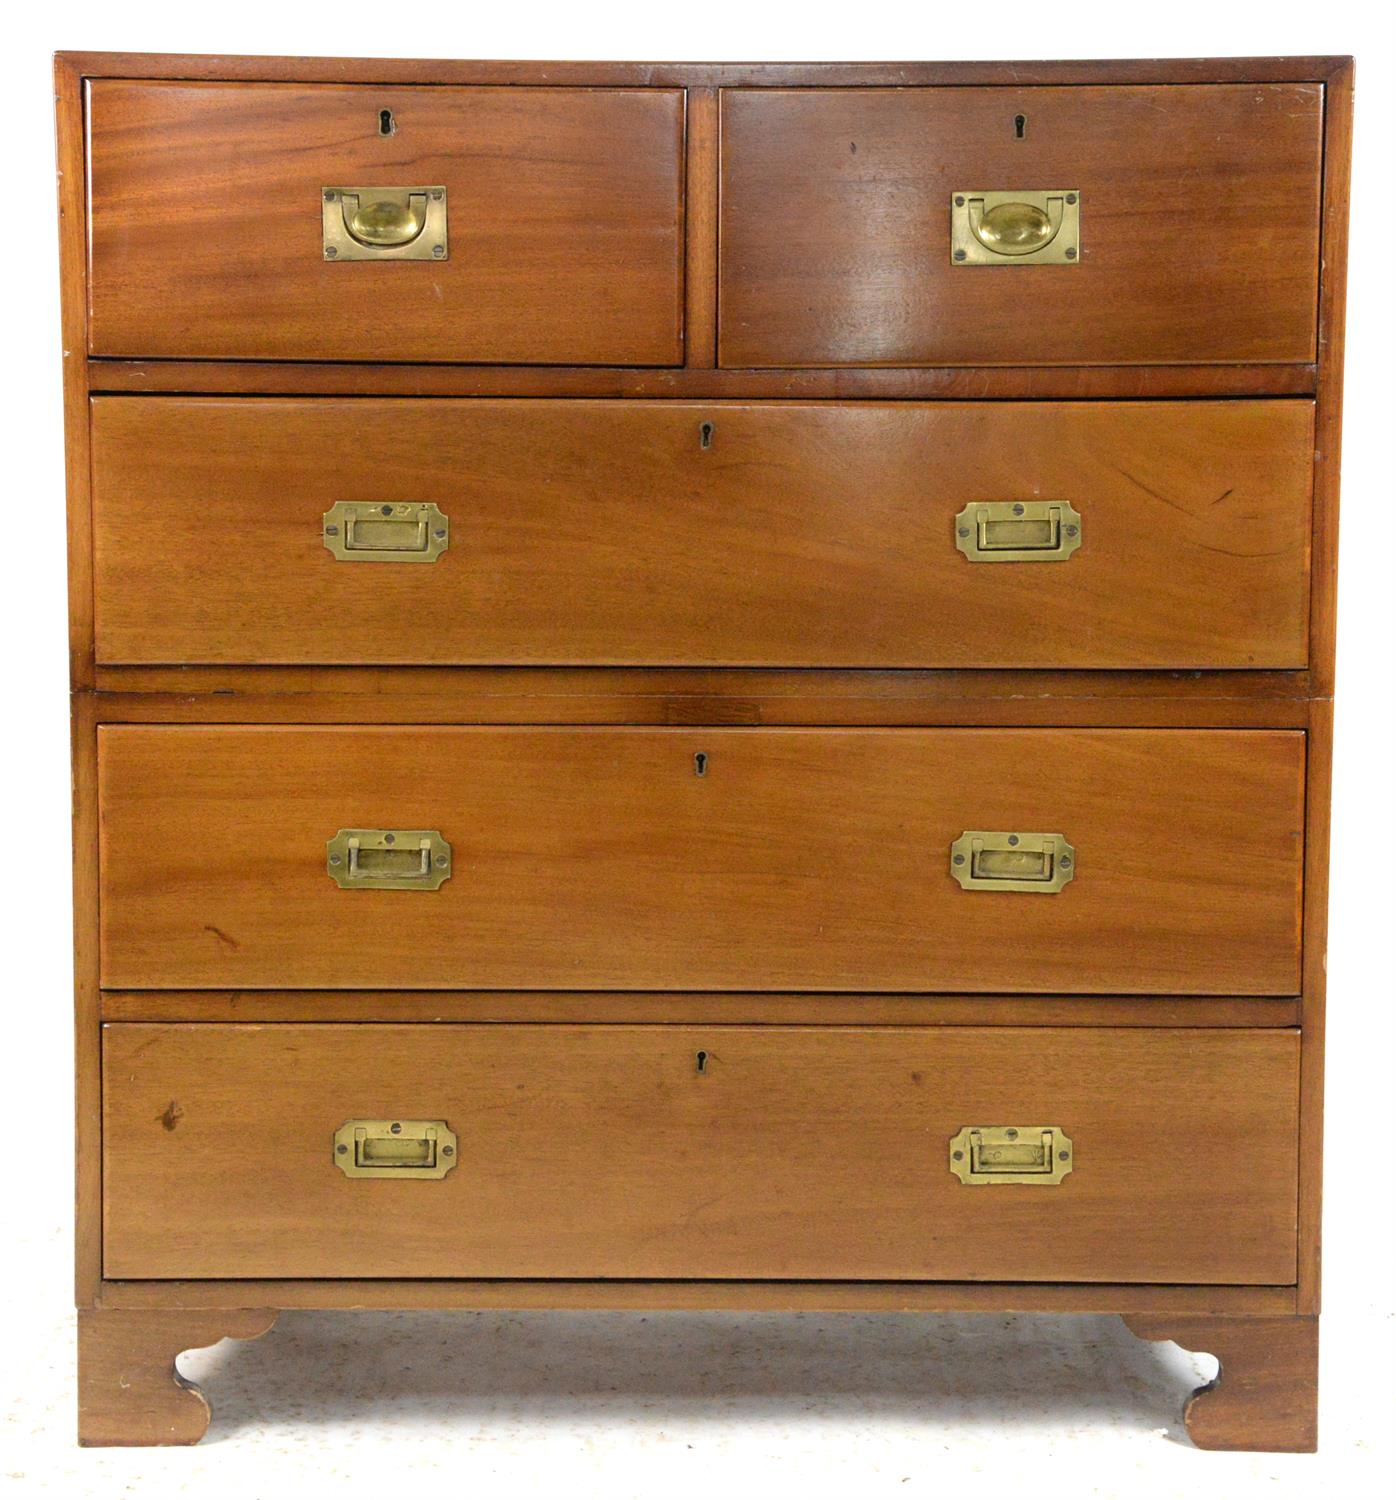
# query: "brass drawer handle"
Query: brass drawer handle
{"points": [[403, 1149], [1041, 227], [1037, 862], [384, 223], [1018, 531], [388, 859], [377, 531], [1033, 1155]]}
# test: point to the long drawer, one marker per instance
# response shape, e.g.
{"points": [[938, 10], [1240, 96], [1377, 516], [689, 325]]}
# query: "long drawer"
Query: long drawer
{"points": [[329, 222], [1146, 534], [1109, 861], [1020, 226], [642, 1151]]}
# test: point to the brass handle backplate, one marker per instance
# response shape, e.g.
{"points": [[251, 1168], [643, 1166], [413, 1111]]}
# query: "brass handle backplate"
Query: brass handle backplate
{"points": [[1032, 1155], [1018, 531], [380, 531], [1037, 862], [395, 1148], [1029, 228], [384, 223], [388, 859]]}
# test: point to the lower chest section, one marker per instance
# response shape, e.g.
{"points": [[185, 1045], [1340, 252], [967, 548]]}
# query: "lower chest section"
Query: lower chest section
{"points": [[976, 1153]]}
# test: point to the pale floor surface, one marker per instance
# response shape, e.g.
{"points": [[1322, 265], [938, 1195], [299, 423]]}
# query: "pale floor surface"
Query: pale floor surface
{"points": [[411, 1406]]}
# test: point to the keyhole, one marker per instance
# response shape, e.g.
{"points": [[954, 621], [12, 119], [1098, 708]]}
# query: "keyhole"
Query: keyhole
{"points": [[705, 435], [700, 764], [1020, 126], [386, 123], [702, 1062]]}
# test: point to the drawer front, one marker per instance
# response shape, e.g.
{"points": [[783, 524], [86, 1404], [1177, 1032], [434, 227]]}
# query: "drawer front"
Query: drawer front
{"points": [[721, 534], [563, 213], [746, 1152], [1198, 225], [703, 859]]}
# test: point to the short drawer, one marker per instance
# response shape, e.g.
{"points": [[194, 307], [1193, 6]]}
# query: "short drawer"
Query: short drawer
{"points": [[1048, 861], [1151, 534], [1187, 220], [497, 225], [745, 1152]]}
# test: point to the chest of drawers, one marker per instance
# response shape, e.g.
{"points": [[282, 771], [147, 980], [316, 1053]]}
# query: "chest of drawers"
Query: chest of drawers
{"points": [[701, 686]]}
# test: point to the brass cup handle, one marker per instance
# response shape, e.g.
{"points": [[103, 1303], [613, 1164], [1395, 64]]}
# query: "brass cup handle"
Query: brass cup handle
{"points": [[1016, 228], [385, 220], [384, 223]]}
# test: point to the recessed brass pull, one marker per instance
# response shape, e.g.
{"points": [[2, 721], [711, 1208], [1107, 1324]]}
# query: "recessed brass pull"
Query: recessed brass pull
{"points": [[395, 1148], [384, 223], [379, 531], [1039, 227], [1034, 1155], [1018, 531], [1035, 862], [388, 859]]}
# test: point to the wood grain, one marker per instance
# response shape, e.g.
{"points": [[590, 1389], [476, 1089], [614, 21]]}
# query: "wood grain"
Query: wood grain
{"points": [[1337, 180], [1337, 176], [799, 1153], [1317, 836], [709, 1296], [72, 263], [722, 1009], [700, 229], [536, 73], [802, 860], [87, 1004], [602, 533], [1265, 1398], [1199, 225], [1035, 382], [129, 1392], [565, 223], [72, 222], [673, 695]]}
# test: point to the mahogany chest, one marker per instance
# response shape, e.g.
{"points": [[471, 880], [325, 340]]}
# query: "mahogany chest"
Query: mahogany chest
{"points": [[701, 686]]}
